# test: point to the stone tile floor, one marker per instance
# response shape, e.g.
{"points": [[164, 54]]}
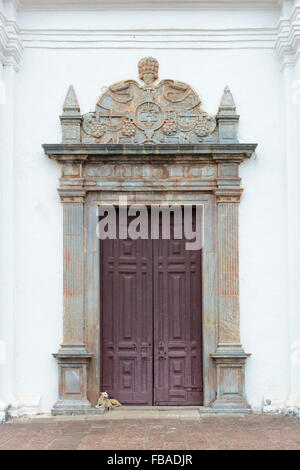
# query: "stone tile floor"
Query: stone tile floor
{"points": [[179, 432]]}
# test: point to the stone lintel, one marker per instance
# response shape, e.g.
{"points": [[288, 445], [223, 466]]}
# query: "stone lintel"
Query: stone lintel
{"points": [[234, 152]]}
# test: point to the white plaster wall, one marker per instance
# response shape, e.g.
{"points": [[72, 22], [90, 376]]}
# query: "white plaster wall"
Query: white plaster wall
{"points": [[263, 238], [256, 83], [149, 19]]}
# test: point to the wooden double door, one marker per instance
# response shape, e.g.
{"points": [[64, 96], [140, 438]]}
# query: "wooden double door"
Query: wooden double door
{"points": [[151, 331]]}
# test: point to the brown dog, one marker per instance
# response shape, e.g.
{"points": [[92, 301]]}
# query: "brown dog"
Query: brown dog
{"points": [[105, 402]]}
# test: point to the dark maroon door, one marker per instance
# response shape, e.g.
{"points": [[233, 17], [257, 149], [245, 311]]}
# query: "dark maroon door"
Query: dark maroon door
{"points": [[127, 320], [151, 322], [177, 324]]}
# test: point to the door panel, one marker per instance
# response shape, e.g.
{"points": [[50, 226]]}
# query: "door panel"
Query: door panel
{"points": [[177, 324], [126, 308], [151, 309]]}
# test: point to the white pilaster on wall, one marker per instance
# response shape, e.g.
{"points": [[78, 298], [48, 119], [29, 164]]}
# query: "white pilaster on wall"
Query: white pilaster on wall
{"points": [[288, 50], [288, 37], [292, 103], [293, 232], [8, 66], [7, 235]]}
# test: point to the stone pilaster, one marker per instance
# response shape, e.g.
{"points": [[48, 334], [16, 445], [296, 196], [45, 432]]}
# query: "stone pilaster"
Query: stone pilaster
{"points": [[230, 357], [72, 357]]}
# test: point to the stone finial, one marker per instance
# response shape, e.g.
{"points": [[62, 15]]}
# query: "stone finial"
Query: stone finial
{"points": [[71, 118], [71, 105], [148, 65], [227, 119], [227, 105]]}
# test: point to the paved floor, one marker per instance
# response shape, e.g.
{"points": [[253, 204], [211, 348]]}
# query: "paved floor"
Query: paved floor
{"points": [[112, 431]]}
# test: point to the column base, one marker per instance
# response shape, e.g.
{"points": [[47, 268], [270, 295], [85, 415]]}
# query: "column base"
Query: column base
{"points": [[228, 405], [230, 364], [72, 362], [69, 407]]}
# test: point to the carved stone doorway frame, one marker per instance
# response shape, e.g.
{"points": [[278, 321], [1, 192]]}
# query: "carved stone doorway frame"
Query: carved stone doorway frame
{"points": [[98, 173], [154, 143]]}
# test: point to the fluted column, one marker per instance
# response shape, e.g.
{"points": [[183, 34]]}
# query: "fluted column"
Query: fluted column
{"points": [[228, 242], [73, 357], [229, 356], [73, 269]]}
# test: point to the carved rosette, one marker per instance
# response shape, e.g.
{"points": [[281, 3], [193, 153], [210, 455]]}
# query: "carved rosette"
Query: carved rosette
{"points": [[205, 125], [93, 126], [167, 112]]}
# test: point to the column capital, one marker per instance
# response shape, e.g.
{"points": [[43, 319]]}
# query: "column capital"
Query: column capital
{"points": [[228, 196], [75, 351], [72, 195]]}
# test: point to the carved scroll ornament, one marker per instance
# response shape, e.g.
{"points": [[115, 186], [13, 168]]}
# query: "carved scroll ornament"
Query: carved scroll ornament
{"points": [[169, 112]]}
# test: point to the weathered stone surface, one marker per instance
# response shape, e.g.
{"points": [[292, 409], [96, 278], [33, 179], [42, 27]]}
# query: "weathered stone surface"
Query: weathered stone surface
{"points": [[167, 112], [71, 118], [156, 145], [71, 105], [227, 105], [227, 119]]}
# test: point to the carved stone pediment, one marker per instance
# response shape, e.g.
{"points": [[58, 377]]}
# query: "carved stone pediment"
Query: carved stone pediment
{"points": [[154, 144], [167, 112]]}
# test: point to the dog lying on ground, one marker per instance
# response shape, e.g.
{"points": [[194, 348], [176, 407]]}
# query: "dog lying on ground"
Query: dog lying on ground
{"points": [[105, 402]]}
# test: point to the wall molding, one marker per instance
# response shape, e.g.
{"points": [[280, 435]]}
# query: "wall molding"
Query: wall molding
{"points": [[250, 38], [79, 5], [11, 48], [287, 45], [283, 38]]}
